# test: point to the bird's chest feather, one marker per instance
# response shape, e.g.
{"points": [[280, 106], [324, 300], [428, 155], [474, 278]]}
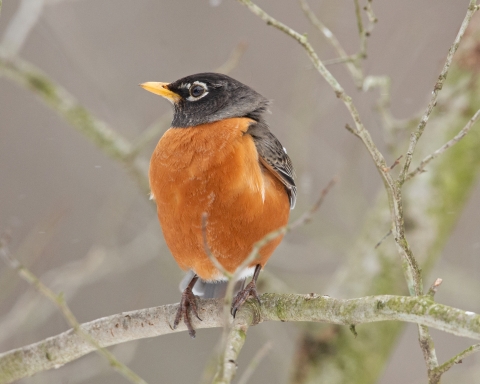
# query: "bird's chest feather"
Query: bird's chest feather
{"points": [[207, 167]]}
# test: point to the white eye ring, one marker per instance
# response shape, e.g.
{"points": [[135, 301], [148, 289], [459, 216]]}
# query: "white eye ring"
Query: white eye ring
{"points": [[197, 84]]}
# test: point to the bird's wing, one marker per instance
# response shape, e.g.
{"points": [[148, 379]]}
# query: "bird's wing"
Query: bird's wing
{"points": [[273, 156]]}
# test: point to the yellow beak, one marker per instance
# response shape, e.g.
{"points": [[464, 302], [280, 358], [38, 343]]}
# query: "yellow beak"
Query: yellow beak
{"points": [[162, 90]]}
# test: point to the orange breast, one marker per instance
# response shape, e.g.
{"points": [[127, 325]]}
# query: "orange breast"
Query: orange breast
{"points": [[214, 168]]}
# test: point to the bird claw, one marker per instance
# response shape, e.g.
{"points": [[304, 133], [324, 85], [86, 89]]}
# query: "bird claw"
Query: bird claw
{"points": [[249, 291], [188, 300]]}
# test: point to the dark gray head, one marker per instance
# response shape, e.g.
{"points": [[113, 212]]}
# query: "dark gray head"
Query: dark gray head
{"points": [[208, 97]]}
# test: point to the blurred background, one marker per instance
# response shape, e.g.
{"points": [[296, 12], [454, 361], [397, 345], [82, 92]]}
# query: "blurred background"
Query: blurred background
{"points": [[79, 220]]}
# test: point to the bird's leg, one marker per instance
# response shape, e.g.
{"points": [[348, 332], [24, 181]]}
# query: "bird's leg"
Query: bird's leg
{"points": [[188, 300], [249, 291]]}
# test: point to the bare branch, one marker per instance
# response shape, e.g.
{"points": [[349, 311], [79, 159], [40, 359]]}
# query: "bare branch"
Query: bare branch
{"points": [[445, 146], [409, 263], [415, 136], [434, 288], [351, 130], [395, 163], [350, 61], [126, 326], [383, 239], [457, 359], [361, 30], [369, 11]]}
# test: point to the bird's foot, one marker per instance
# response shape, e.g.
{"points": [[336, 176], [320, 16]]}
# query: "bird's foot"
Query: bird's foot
{"points": [[249, 291], [188, 301]]}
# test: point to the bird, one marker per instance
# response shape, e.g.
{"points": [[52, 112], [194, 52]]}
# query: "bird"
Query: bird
{"points": [[218, 160]]}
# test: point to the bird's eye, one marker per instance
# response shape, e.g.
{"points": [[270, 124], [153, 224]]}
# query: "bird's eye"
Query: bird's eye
{"points": [[197, 91]]}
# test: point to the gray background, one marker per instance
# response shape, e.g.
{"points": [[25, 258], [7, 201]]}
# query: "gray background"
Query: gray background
{"points": [[63, 200]]}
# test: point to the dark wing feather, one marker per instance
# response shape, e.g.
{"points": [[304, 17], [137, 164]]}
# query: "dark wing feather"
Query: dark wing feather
{"points": [[273, 156]]}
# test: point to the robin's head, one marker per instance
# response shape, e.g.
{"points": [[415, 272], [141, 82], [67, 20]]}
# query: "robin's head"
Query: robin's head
{"points": [[208, 97]]}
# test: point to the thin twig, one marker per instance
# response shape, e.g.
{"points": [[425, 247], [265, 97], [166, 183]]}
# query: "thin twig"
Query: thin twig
{"points": [[351, 130], [370, 14], [390, 124], [305, 218], [383, 239], [59, 302], [457, 359], [415, 136], [350, 61], [395, 163], [340, 60], [445, 146], [361, 30], [434, 288]]}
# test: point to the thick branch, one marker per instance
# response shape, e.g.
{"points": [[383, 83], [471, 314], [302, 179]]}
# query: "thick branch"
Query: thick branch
{"points": [[68, 346]]}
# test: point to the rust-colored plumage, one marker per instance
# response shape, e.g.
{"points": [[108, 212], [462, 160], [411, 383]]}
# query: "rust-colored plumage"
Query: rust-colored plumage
{"points": [[219, 159], [214, 168]]}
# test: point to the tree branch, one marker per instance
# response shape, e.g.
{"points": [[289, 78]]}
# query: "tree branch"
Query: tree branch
{"points": [[393, 187], [445, 146], [351, 62], [68, 346], [457, 359], [472, 8]]}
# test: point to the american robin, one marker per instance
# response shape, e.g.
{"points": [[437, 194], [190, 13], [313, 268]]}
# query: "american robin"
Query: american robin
{"points": [[219, 158]]}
